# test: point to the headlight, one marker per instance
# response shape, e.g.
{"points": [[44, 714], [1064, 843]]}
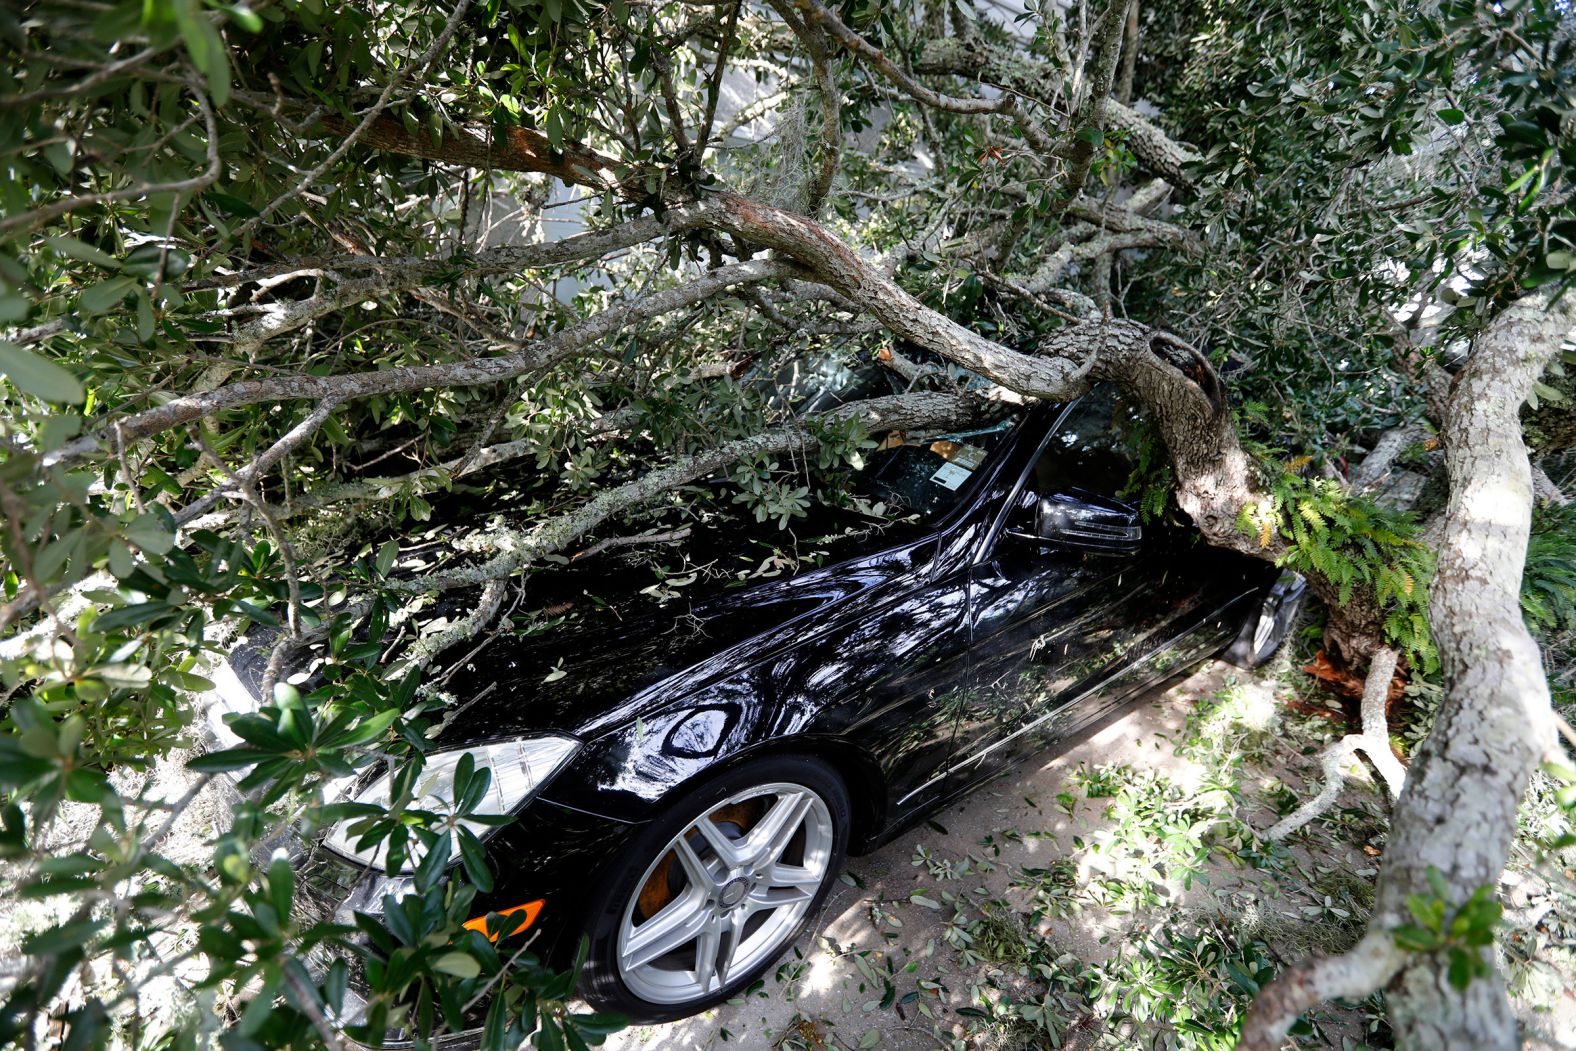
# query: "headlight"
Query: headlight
{"points": [[519, 768]]}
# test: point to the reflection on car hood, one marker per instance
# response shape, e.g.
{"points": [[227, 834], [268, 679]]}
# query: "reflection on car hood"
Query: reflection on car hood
{"points": [[612, 639], [620, 661]]}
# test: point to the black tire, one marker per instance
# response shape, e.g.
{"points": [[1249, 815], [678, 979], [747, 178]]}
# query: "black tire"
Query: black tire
{"points": [[601, 982], [1280, 605]]}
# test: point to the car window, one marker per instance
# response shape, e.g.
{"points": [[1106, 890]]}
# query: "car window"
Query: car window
{"points": [[1092, 449], [926, 474]]}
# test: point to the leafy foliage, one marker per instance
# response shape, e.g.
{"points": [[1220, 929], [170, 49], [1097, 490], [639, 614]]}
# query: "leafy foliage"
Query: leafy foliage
{"points": [[1352, 543], [1462, 933], [183, 211], [1548, 586]]}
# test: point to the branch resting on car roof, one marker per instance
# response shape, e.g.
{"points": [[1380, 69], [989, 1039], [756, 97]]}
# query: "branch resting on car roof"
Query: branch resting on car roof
{"points": [[510, 550]]}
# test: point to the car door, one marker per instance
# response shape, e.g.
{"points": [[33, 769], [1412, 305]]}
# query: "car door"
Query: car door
{"points": [[1050, 626], [906, 661]]}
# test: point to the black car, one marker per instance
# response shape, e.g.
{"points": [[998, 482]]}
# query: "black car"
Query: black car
{"points": [[687, 783]]}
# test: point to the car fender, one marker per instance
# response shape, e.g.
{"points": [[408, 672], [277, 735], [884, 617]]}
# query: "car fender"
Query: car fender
{"points": [[627, 773]]}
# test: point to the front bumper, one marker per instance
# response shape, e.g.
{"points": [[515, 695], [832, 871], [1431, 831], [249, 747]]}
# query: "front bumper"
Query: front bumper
{"points": [[550, 853]]}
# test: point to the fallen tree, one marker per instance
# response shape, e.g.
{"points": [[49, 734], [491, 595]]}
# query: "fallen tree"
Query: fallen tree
{"points": [[270, 290]]}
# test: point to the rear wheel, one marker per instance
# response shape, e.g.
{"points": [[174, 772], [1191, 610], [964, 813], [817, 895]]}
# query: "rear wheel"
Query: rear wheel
{"points": [[711, 893], [1268, 626]]}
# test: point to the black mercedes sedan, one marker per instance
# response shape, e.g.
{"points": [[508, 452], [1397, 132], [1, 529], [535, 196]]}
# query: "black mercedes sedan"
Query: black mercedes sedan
{"points": [[687, 781]]}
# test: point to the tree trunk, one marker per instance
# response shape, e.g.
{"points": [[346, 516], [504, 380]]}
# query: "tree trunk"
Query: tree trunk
{"points": [[1457, 814]]}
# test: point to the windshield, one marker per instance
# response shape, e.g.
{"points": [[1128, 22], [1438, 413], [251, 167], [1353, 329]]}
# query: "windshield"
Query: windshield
{"points": [[925, 475], [911, 477]]}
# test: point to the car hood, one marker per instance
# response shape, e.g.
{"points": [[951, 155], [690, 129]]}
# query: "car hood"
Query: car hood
{"points": [[619, 663], [611, 637]]}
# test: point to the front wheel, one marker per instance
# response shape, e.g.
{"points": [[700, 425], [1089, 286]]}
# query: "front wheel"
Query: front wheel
{"points": [[710, 894]]}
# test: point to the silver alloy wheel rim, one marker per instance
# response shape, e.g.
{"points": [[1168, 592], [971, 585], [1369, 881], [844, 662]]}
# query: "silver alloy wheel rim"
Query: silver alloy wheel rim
{"points": [[1264, 631], [745, 894]]}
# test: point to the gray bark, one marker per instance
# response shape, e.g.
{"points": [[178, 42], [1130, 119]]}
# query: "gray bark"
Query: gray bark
{"points": [[1458, 813]]}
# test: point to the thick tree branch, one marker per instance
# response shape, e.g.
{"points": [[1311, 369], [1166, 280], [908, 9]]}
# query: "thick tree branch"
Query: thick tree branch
{"points": [[816, 45], [530, 358], [1089, 112], [504, 149]]}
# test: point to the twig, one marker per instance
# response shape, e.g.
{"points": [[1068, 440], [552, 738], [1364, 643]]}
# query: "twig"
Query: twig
{"points": [[258, 467], [286, 553], [93, 80], [372, 114], [630, 541]]}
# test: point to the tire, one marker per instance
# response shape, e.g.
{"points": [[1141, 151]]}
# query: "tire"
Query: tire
{"points": [[1267, 627], [732, 872]]}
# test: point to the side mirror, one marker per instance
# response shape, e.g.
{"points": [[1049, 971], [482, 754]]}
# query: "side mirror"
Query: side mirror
{"points": [[1088, 522]]}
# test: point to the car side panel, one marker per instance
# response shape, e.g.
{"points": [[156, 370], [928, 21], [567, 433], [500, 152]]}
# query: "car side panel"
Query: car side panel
{"points": [[1168, 652], [880, 676], [1049, 626]]}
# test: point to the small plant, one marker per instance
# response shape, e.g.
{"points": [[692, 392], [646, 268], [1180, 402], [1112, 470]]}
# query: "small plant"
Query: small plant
{"points": [[1353, 543], [1548, 584]]}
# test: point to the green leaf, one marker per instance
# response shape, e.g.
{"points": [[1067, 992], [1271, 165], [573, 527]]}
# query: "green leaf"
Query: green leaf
{"points": [[459, 964], [369, 729], [87, 786], [1461, 968], [474, 858], [206, 48], [1416, 939], [225, 760], [58, 939], [387, 553], [80, 250], [121, 562], [129, 616], [244, 17], [281, 884], [105, 296], [122, 676], [38, 376], [555, 128], [434, 862]]}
